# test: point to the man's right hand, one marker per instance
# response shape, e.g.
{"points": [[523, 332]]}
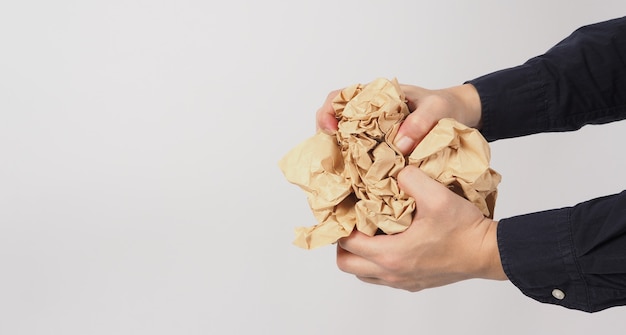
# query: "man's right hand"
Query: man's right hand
{"points": [[427, 108]]}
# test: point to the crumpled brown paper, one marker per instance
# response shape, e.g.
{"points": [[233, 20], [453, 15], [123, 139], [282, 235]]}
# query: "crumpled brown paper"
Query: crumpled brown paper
{"points": [[350, 178]]}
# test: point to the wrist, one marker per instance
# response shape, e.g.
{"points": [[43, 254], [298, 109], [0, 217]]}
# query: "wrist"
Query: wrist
{"points": [[492, 265], [471, 109]]}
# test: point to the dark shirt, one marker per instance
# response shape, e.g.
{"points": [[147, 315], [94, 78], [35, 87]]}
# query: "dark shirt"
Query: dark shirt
{"points": [[575, 256]]}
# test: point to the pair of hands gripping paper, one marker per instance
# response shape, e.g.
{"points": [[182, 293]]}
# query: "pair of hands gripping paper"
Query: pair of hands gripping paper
{"points": [[432, 236]]}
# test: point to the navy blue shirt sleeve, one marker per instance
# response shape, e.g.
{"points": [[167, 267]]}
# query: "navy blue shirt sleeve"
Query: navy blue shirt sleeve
{"points": [[581, 80], [576, 256]]}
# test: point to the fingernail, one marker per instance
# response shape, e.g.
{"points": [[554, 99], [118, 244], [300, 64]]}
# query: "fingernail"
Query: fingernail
{"points": [[405, 144]]}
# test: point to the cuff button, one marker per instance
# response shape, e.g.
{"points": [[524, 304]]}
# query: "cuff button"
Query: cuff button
{"points": [[558, 294]]}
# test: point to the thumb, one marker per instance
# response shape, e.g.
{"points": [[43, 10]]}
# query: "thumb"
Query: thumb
{"points": [[413, 129], [419, 186]]}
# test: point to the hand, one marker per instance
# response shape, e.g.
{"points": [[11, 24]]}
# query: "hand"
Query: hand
{"points": [[449, 240], [427, 108]]}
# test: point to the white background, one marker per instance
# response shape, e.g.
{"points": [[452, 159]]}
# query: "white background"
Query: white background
{"points": [[139, 141]]}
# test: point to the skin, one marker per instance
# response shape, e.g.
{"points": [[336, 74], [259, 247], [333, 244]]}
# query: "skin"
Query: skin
{"points": [[449, 239]]}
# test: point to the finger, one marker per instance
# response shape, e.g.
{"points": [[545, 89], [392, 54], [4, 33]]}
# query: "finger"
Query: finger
{"points": [[363, 245], [326, 119], [372, 280], [356, 265], [413, 129]]}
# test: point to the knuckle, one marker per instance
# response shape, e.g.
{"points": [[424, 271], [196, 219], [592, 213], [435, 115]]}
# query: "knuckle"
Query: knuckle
{"points": [[342, 265], [414, 288], [393, 281], [418, 125], [332, 94], [404, 176], [393, 263], [342, 261]]}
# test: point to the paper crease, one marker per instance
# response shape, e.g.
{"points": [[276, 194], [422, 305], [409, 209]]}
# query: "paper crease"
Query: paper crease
{"points": [[350, 179]]}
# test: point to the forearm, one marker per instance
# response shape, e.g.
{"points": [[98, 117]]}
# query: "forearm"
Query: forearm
{"points": [[578, 251], [581, 80]]}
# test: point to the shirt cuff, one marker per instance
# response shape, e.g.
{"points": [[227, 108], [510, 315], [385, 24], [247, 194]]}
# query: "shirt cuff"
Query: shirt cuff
{"points": [[537, 255]]}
